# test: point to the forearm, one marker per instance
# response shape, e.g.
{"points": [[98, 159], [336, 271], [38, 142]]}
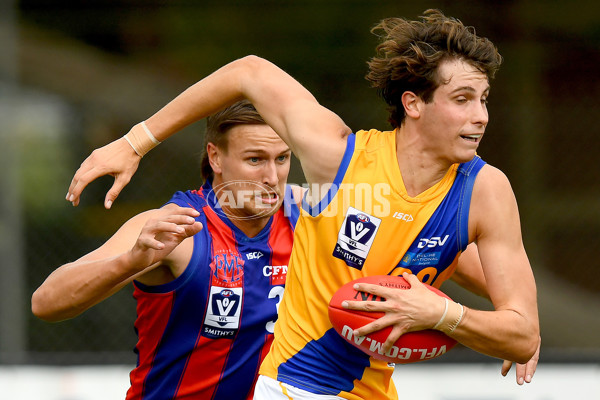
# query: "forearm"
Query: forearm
{"points": [[77, 286], [198, 101], [250, 77], [505, 334]]}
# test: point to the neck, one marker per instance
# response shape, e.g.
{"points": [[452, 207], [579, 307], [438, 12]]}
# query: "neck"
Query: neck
{"points": [[251, 227], [419, 167]]}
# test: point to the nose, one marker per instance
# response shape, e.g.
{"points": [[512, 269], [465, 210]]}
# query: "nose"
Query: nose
{"points": [[270, 177], [481, 116]]}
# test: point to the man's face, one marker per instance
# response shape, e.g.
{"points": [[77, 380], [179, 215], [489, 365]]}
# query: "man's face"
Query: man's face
{"points": [[455, 120], [250, 176]]}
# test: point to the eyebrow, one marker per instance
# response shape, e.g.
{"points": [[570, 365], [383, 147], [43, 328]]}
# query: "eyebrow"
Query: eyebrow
{"points": [[468, 89], [262, 151]]}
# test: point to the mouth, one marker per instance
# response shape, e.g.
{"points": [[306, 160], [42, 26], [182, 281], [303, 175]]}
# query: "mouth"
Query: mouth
{"points": [[268, 198], [474, 138]]}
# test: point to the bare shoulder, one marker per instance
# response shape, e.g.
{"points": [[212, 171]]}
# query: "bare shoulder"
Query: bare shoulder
{"points": [[493, 203], [492, 185]]}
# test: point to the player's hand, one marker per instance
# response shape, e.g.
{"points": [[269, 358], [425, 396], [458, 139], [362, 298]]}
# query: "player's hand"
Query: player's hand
{"points": [[407, 310], [524, 372], [117, 159], [162, 234]]}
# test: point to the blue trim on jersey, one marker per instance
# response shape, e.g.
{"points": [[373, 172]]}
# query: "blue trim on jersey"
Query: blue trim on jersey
{"points": [[324, 202], [446, 232], [290, 207], [470, 170], [335, 358]]}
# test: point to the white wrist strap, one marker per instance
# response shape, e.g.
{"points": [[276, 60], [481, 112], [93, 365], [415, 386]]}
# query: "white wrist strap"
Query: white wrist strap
{"points": [[453, 314], [141, 139]]}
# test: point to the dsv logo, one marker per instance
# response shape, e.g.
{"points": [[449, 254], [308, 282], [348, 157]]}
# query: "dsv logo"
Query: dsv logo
{"points": [[239, 195], [432, 242]]}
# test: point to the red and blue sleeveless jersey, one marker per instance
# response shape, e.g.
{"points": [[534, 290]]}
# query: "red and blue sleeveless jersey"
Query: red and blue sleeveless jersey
{"points": [[205, 334]]}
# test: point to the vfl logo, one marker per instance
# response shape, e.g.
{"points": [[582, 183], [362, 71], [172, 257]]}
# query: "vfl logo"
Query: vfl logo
{"points": [[223, 312], [356, 237], [225, 304], [433, 242]]}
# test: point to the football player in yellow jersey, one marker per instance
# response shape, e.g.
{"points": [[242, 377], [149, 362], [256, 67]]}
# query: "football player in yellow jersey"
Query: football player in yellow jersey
{"points": [[434, 73]]}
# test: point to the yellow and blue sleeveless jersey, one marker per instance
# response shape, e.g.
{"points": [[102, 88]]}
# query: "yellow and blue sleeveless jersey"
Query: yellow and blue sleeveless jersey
{"points": [[366, 224]]}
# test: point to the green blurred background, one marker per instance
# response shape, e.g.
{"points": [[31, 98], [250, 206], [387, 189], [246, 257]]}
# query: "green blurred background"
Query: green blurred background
{"points": [[75, 75]]}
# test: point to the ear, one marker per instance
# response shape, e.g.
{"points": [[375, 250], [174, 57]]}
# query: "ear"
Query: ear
{"points": [[412, 104], [214, 157]]}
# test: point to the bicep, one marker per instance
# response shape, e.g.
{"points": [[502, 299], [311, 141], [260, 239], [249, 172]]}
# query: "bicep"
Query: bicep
{"points": [[315, 134], [469, 272], [497, 230]]}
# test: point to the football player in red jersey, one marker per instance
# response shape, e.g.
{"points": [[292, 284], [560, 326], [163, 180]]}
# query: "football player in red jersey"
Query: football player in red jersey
{"points": [[208, 268]]}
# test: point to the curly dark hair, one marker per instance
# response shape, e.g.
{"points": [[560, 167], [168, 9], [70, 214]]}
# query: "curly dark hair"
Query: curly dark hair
{"points": [[410, 53]]}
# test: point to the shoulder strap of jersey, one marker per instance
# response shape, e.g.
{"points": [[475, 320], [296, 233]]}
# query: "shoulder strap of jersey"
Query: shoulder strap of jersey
{"points": [[469, 170]]}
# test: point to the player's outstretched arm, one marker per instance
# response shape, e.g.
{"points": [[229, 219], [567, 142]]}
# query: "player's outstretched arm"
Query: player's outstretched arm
{"points": [[141, 244], [316, 135]]}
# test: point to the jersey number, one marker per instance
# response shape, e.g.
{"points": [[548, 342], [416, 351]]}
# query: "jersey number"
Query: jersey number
{"points": [[276, 292]]}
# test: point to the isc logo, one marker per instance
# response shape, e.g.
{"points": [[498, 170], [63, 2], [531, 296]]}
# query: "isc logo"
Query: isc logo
{"points": [[432, 242], [403, 216], [255, 255]]}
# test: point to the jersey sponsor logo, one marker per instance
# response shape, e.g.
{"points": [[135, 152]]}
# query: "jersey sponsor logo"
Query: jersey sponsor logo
{"points": [[227, 268], [403, 216], [419, 259], [432, 242], [276, 273], [355, 237], [255, 255], [223, 312]]}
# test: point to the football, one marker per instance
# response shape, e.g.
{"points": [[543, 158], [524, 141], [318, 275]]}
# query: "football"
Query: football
{"points": [[409, 348]]}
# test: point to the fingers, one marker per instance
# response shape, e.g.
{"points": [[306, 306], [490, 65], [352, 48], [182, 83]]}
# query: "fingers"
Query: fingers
{"points": [[505, 367], [121, 181], [117, 159], [169, 230], [524, 372], [392, 338], [180, 220], [531, 366], [78, 183], [520, 373]]}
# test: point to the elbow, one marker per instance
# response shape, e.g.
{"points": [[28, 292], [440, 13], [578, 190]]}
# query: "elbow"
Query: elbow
{"points": [[533, 346], [39, 308], [530, 347], [37, 305], [252, 65]]}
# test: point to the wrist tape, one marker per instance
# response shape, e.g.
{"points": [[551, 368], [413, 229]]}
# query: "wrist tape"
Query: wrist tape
{"points": [[141, 139], [453, 313]]}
